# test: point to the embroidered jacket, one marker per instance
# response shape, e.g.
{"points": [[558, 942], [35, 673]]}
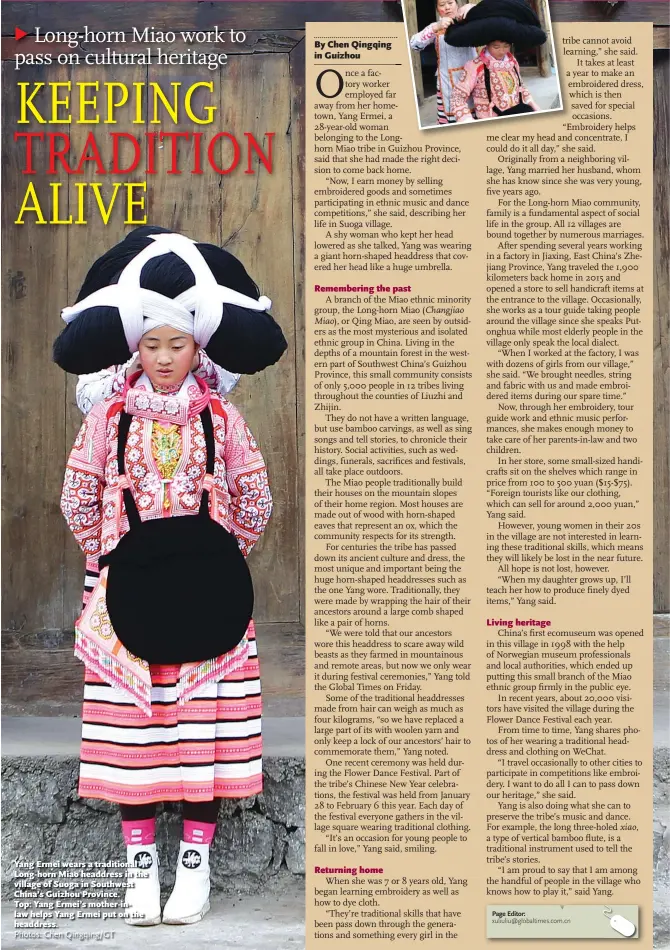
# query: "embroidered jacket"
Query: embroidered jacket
{"points": [[451, 62], [506, 88], [91, 500]]}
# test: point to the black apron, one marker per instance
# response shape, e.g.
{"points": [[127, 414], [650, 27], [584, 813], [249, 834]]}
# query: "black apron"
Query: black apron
{"points": [[178, 588], [518, 109]]}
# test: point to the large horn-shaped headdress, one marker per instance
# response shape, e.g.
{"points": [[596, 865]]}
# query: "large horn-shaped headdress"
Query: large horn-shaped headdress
{"points": [[106, 324]]}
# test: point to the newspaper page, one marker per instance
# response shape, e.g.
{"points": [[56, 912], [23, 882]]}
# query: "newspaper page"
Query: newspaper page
{"points": [[479, 489], [335, 473]]}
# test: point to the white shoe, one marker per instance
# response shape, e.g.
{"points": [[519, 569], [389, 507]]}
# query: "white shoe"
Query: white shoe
{"points": [[189, 901], [143, 893]]}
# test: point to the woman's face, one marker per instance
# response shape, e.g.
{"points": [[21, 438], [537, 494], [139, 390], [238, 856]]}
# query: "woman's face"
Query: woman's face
{"points": [[447, 8], [167, 355], [498, 49]]}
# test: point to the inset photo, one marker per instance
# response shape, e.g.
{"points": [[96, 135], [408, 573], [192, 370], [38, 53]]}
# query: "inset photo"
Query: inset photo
{"points": [[486, 60]]}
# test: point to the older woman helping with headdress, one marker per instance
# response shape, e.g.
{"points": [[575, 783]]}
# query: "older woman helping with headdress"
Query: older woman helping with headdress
{"points": [[166, 493], [451, 60]]}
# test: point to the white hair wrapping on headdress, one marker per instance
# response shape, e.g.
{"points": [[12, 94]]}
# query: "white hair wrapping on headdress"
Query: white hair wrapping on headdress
{"points": [[220, 308], [197, 311]]}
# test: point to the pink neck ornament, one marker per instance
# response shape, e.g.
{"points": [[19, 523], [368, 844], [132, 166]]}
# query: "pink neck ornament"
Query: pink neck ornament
{"points": [[169, 408]]}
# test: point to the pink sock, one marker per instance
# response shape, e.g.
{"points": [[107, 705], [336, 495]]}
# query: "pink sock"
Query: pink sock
{"points": [[199, 832], [139, 832]]}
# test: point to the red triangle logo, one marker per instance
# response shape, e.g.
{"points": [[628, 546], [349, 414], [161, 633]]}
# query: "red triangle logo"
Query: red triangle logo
{"points": [[19, 33]]}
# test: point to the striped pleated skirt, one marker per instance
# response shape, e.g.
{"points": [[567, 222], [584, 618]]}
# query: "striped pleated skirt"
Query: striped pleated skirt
{"points": [[209, 747]]}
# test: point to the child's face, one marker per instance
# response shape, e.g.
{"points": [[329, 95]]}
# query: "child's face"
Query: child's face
{"points": [[447, 8], [498, 49], [167, 355]]}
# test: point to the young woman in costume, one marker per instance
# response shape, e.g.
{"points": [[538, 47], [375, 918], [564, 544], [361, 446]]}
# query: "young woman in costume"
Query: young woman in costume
{"points": [[493, 78], [451, 60], [184, 723]]}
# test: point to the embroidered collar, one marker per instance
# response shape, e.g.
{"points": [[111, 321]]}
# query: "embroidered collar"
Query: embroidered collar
{"points": [[507, 62], [169, 408]]}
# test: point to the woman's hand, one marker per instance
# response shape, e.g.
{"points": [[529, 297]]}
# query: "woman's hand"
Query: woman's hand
{"points": [[442, 24]]}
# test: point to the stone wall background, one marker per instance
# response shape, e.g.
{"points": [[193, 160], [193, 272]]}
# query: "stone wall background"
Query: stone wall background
{"points": [[259, 840]]}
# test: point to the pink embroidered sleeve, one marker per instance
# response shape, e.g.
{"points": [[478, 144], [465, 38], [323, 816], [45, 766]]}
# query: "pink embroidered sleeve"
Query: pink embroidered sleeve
{"points": [[462, 92], [528, 99], [247, 477], [81, 498], [423, 39]]}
